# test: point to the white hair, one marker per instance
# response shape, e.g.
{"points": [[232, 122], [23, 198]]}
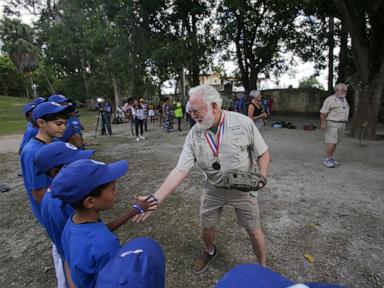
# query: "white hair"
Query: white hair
{"points": [[210, 94], [254, 93], [340, 86]]}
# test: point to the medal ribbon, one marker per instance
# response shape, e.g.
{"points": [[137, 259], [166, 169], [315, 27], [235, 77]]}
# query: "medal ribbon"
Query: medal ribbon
{"points": [[215, 147]]}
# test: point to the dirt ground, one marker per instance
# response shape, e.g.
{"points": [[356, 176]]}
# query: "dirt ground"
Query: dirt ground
{"points": [[335, 215]]}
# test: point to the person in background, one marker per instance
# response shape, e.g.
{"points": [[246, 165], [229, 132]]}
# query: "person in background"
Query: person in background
{"points": [[139, 117], [333, 118], [106, 113], [145, 107], [178, 114], [255, 109]]}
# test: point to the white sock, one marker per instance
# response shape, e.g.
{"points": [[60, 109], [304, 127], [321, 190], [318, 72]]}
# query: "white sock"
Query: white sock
{"points": [[211, 252]]}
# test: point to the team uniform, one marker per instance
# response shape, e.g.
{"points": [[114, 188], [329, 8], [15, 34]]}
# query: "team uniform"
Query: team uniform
{"points": [[54, 215], [29, 133], [87, 248], [33, 180], [239, 137]]}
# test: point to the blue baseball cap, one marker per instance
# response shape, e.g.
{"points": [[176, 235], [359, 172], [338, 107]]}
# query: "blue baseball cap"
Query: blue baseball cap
{"points": [[254, 275], [50, 108], [28, 108], [73, 127], [32, 105], [58, 98], [139, 264], [59, 153], [38, 100], [76, 180]]}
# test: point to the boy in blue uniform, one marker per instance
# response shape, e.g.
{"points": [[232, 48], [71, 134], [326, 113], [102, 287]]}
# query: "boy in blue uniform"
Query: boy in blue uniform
{"points": [[90, 187], [50, 117], [30, 130], [54, 212], [73, 133]]}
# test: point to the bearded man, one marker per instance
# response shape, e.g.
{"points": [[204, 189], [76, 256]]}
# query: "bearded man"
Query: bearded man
{"points": [[220, 142]]}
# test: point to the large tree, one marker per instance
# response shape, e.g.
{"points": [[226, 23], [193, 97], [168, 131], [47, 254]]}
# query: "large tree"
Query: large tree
{"points": [[365, 23], [258, 30]]}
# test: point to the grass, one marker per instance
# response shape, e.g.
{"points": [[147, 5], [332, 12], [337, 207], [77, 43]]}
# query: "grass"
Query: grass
{"points": [[12, 120]]}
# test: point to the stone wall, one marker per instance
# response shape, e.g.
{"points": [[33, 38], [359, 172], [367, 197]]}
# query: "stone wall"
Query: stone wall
{"points": [[300, 100]]}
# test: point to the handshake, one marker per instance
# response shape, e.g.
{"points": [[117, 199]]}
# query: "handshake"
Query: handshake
{"points": [[144, 206]]}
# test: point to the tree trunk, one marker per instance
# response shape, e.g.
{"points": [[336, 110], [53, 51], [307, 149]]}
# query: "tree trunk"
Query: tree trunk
{"points": [[331, 45], [116, 91], [49, 83], [342, 69], [368, 99]]}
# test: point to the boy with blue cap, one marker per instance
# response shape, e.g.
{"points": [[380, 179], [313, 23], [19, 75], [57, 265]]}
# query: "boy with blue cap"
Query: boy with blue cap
{"points": [[50, 118], [30, 130], [254, 275], [54, 212], [73, 133], [90, 187], [138, 264]]}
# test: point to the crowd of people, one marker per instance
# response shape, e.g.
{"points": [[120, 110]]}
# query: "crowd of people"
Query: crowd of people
{"points": [[85, 250]]}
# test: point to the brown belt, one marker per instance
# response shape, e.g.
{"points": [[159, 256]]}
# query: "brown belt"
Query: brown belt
{"points": [[338, 121]]}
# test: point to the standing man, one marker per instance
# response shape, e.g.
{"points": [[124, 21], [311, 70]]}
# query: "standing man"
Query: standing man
{"points": [[219, 142], [106, 113], [333, 117]]}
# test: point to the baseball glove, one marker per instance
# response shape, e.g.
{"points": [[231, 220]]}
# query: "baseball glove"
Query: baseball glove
{"points": [[244, 181]]}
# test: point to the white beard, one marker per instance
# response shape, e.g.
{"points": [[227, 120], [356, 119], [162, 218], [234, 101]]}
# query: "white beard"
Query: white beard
{"points": [[207, 122]]}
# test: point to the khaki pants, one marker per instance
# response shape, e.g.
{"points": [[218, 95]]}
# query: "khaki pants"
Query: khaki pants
{"points": [[214, 199]]}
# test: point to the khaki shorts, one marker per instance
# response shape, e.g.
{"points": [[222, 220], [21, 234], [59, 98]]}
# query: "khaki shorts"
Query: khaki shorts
{"points": [[214, 199], [334, 132]]}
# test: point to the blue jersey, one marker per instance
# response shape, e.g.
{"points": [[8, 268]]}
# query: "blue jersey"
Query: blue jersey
{"points": [[29, 133], [33, 180], [54, 215], [87, 248]]}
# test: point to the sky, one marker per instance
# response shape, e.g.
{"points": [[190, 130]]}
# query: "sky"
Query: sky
{"points": [[292, 77]]}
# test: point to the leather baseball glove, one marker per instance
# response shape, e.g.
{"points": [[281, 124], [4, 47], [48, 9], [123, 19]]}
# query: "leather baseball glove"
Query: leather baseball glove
{"points": [[244, 181]]}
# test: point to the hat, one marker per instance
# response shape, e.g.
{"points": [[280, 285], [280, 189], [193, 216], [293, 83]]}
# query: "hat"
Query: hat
{"points": [[73, 127], [32, 105], [28, 108], [50, 108], [59, 153], [38, 100], [76, 180], [58, 98], [254, 275], [139, 264]]}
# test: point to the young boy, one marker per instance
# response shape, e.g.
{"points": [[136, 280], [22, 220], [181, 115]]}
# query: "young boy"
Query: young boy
{"points": [[30, 130], [140, 263], [73, 133], [90, 187], [50, 118], [54, 212]]}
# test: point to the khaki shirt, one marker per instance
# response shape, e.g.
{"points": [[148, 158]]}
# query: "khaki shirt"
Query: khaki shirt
{"points": [[240, 137], [335, 109]]}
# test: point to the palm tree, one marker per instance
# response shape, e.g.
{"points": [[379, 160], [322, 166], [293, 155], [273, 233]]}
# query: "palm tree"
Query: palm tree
{"points": [[18, 43]]}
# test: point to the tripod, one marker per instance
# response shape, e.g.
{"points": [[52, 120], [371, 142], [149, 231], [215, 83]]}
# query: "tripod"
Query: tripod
{"points": [[97, 122]]}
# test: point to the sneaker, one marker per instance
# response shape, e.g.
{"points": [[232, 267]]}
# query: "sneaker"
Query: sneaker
{"points": [[328, 163], [142, 137], [202, 263], [137, 139], [336, 163]]}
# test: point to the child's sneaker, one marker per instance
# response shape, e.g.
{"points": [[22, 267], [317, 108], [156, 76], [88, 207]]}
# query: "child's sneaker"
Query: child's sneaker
{"points": [[328, 163], [142, 137], [137, 139]]}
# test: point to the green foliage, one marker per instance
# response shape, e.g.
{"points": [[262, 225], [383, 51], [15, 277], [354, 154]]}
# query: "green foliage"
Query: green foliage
{"points": [[11, 82], [310, 82]]}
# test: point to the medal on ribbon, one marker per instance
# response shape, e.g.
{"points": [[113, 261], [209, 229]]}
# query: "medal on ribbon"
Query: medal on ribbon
{"points": [[215, 147]]}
